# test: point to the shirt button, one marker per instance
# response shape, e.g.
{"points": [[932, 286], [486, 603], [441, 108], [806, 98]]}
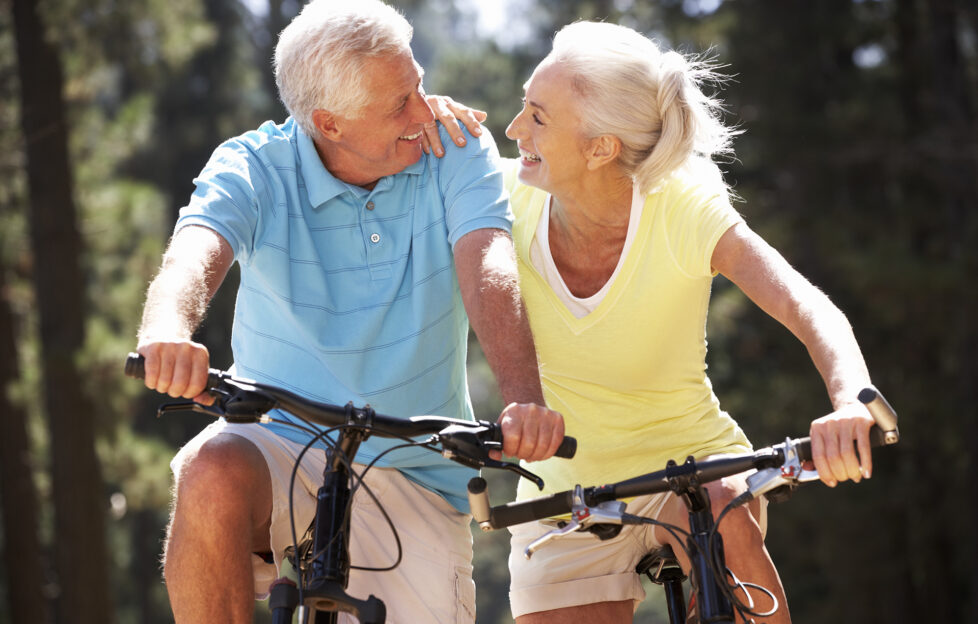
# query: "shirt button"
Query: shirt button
{"points": [[375, 238], [370, 206]]}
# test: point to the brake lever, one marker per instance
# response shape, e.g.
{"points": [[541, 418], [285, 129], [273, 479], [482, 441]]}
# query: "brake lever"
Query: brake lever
{"points": [[190, 406], [790, 473], [243, 404], [582, 518], [465, 445]]}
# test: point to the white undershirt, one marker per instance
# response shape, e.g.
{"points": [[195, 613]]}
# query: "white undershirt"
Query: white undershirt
{"points": [[543, 261]]}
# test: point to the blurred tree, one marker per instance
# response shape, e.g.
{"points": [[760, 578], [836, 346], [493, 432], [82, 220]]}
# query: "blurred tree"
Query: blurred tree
{"points": [[18, 496], [114, 58], [858, 161], [57, 247]]}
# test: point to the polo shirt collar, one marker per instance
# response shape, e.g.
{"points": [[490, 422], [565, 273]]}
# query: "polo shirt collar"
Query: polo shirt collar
{"points": [[322, 186]]}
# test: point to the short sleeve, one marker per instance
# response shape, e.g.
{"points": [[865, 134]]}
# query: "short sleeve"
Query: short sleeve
{"points": [[471, 182], [227, 197], [697, 215]]}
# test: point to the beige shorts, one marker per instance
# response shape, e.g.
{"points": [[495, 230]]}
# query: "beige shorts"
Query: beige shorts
{"points": [[580, 569], [433, 582]]}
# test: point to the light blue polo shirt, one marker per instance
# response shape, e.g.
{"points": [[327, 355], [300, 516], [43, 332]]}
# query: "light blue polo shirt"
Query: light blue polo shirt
{"points": [[348, 294]]}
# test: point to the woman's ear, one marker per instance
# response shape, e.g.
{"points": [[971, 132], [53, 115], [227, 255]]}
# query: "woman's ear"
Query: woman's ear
{"points": [[602, 150], [326, 124]]}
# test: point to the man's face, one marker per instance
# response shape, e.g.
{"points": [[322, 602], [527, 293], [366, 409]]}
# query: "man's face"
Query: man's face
{"points": [[386, 137]]}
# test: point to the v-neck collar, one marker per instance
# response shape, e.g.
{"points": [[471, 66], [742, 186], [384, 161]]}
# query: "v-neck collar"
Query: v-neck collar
{"points": [[539, 211]]}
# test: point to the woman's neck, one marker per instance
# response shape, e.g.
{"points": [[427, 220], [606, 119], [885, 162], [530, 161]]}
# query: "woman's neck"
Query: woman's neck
{"points": [[598, 208]]}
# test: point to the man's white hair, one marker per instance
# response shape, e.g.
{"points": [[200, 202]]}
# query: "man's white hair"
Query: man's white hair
{"points": [[320, 55]]}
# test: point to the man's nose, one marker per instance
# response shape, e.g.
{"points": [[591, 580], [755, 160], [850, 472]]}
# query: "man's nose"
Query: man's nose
{"points": [[423, 113]]}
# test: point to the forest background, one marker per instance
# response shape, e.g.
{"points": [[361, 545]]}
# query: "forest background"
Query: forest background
{"points": [[859, 161]]}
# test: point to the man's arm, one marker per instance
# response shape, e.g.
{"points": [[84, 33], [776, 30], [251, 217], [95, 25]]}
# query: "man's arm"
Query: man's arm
{"points": [[486, 265], [194, 265]]}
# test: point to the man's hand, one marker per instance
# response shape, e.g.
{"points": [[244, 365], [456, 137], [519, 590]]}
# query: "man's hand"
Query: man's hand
{"points": [[194, 265], [833, 452], [177, 368], [451, 114], [530, 431]]}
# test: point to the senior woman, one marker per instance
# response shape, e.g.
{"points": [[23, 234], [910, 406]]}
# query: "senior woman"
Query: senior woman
{"points": [[622, 221]]}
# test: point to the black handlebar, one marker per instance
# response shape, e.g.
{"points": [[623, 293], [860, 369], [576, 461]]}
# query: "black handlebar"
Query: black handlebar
{"points": [[883, 433], [250, 399]]}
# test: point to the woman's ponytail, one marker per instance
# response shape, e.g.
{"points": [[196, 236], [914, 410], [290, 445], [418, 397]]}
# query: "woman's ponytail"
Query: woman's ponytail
{"points": [[651, 100]]}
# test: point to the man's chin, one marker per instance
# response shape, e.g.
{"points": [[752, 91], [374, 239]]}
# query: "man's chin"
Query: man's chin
{"points": [[411, 152]]}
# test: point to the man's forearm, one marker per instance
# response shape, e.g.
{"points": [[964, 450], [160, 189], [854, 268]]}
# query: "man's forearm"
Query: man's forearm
{"points": [[505, 337], [194, 265], [488, 277], [175, 305]]}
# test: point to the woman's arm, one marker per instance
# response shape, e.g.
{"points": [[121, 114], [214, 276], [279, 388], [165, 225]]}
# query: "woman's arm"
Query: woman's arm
{"points": [[783, 293]]}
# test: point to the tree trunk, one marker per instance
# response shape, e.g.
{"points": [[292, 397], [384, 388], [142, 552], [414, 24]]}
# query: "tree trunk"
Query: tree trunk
{"points": [[81, 561], [18, 497]]}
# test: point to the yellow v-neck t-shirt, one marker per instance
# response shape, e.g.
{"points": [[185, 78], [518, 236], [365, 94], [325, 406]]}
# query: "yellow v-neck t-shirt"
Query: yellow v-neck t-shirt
{"points": [[630, 376]]}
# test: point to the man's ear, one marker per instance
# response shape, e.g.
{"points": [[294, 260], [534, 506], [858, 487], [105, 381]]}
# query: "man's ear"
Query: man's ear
{"points": [[326, 124], [602, 150]]}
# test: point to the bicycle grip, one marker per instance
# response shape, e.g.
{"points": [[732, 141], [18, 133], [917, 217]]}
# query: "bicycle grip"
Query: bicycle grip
{"points": [[528, 511], [479, 500], [567, 448], [135, 366], [883, 433], [884, 415]]}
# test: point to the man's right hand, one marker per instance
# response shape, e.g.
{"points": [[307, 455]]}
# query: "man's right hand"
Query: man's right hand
{"points": [[530, 432], [177, 368]]}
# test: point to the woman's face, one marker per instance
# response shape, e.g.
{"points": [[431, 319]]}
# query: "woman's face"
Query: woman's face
{"points": [[548, 132]]}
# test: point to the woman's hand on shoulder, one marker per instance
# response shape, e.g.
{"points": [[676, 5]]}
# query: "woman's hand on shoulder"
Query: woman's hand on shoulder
{"points": [[452, 115]]}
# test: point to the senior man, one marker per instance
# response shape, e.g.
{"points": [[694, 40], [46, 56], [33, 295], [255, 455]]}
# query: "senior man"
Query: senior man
{"points": [[362, 262]]}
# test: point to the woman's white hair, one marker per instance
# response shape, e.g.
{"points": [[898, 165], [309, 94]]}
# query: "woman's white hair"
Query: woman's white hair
{"points": [[320, 55], [650, 99]]}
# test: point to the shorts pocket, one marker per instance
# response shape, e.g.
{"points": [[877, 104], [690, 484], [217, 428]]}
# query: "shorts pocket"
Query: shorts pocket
{"points": [[464, 595]]}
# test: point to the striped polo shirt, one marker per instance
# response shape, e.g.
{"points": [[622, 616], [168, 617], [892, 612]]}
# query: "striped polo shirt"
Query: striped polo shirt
{"points": [[348, 294]]}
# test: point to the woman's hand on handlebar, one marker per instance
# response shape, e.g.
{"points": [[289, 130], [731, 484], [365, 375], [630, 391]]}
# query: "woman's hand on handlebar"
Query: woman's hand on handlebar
{"points": [[531, 432], [836, 438], [451, 114], [178, 368]]}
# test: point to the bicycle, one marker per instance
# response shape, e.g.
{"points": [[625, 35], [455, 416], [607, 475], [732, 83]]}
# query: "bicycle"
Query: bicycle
{"points": [[599, 510], [321, 559]]}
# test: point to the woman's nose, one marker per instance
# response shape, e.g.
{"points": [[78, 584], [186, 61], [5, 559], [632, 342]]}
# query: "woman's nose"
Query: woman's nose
{"points": [[512, 130]]}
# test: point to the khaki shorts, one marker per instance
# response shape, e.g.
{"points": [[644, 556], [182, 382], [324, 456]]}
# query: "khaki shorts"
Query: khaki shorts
{"points": [[433, 582], [580, 569]]}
